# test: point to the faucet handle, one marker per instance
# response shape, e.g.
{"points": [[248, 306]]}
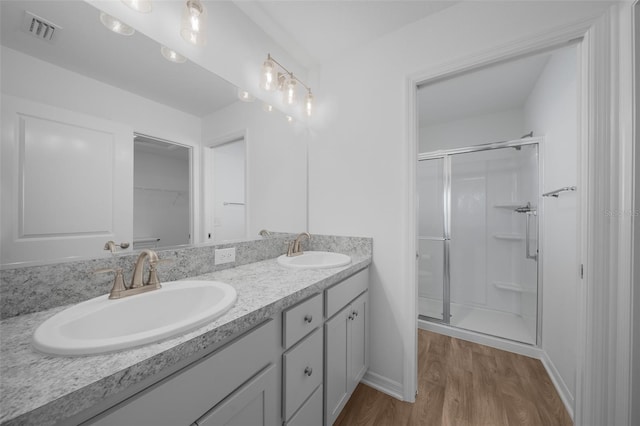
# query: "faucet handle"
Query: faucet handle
{"points": [[118, 282]]}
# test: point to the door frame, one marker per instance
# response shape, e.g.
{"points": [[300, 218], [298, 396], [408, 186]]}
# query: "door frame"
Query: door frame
{"points": [[605, 303]]}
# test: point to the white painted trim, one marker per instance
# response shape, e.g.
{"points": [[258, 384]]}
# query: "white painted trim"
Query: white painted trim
{"points": [[558, 383], [384, 385], [410, 337]]}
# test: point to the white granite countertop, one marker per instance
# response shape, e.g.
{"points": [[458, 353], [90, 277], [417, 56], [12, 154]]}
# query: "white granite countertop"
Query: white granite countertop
{"points": [[39, 389]]}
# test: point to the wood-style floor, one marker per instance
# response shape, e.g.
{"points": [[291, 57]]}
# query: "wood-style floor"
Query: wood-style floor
{"points": [[464, 384]]}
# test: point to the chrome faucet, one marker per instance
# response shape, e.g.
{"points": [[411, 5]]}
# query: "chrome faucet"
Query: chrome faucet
{"points": [[294, 248], [137, 286]]}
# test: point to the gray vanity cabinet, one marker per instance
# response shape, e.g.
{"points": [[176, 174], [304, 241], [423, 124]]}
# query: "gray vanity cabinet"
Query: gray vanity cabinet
{"points": [[253, 404], [346, 340], [234, 380]]}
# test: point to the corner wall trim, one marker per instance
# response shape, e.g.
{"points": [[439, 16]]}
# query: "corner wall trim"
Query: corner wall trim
{"points": [[565, 395], [383, 384]]}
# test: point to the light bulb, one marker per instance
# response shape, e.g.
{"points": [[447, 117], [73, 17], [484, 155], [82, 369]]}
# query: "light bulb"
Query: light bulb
{"points": [[308, 103], [289, 119], [193, 28], [290, 91], [245, 96], [143, 6], [267, 107], [115, 25], [268, 78], [172, 55]]}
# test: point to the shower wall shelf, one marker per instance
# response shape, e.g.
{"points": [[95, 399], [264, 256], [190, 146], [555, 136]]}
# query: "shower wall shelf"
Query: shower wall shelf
{"points": [[511, 237], [518, 288], [511, 205]]}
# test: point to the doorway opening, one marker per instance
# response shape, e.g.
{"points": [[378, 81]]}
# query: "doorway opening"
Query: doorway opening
{"points": [[162, 193], [225, 190]]}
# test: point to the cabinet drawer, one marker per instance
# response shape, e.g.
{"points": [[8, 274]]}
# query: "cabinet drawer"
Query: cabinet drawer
{"points": [[301, 320], [339, 296], [303, 371], [205, 383], [310, 414]]}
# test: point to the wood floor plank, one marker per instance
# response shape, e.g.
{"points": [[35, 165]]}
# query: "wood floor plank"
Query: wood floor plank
{"points": [[464, 384]]}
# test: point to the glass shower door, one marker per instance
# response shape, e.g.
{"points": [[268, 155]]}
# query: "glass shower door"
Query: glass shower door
{"points": [[493, 247], [432, 287]]}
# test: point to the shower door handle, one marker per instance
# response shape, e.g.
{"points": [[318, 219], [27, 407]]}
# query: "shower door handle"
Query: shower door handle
{"points": [[527, 238]]}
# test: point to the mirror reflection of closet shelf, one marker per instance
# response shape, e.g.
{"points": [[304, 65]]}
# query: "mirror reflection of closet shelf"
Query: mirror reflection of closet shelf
{"points": [[510, 205]]}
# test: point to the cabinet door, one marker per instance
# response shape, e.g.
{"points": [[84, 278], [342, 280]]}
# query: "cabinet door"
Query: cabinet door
{"points": [[358, 339], [253, 404], [336, 364]]}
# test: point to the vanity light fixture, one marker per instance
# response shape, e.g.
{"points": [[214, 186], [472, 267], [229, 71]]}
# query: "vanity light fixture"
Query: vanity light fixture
{"points": [[245, 96], [172, 55], [142, 6], [194, 23], [275, 76], [115, 25]]}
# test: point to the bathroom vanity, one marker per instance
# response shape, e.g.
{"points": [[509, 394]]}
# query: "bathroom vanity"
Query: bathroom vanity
{"points": [[290, 351]]}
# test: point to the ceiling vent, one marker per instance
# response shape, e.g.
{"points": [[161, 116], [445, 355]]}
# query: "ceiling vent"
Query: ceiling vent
{"points": [[40, 28]]}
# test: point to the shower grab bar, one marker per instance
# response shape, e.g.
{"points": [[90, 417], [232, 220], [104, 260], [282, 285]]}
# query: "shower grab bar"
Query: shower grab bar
{"points": [[557, 192]]}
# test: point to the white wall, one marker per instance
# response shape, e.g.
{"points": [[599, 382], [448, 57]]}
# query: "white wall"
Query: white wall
{"points": [[487, 128], [276, 162], [358, 178], [551, 111]]}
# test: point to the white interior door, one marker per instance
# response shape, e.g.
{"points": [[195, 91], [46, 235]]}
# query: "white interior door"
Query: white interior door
{"points": [[67, 183]]}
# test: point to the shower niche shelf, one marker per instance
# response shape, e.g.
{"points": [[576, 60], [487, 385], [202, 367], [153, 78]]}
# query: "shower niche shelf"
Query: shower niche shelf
{"points": [[518, 288], [509, 237]]}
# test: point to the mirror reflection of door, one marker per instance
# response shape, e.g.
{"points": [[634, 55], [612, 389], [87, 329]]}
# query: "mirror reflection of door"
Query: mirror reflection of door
{"points": [[228, 184], [161, 195]]}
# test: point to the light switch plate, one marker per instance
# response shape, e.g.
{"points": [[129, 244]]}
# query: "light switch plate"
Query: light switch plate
{"points": [[226, 255]]}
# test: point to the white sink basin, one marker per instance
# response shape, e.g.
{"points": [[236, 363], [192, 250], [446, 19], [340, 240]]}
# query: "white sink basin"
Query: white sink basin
{"points": [[101, 325], [315, 260]]}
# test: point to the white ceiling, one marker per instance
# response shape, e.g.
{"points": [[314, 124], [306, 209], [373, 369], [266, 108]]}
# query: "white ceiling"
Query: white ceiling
{"points": [[132, 63], [485, 91], [316, 31]]}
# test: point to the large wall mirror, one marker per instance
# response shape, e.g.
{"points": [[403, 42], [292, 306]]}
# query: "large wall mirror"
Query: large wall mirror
{"points": [[104, 138]]}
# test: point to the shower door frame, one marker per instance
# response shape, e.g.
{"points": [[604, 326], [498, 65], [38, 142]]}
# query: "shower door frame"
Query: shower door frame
{"points": [[446, 155]]}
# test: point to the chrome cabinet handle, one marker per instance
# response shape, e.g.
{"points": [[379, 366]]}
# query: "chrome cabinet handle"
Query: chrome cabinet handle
{"points": [[308, 371], [308, 319]]}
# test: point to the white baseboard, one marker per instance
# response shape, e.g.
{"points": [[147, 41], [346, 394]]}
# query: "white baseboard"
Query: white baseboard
{"points": [[384, 385], [560, 385]]}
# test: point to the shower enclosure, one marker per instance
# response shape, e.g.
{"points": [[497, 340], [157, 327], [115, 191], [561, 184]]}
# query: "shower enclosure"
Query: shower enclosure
{"points": [[478, 238]]}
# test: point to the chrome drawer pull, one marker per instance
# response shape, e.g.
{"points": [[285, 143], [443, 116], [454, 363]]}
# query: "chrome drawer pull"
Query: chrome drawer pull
{"points": [[308, 319], [308, 371]]}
